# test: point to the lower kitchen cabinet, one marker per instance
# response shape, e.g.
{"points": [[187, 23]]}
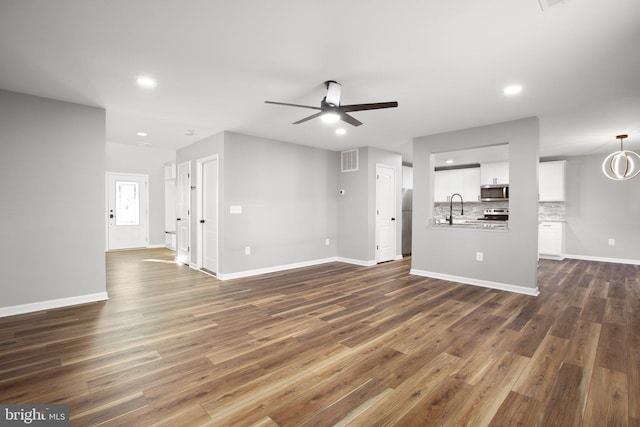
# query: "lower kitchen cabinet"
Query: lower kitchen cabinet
{"points": [[551, 240]]}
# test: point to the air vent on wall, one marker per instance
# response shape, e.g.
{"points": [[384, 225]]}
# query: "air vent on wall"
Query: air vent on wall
{"points": [[349, 161], [547, 4]]}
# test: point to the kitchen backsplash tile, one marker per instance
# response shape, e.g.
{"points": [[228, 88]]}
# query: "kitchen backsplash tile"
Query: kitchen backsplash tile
{"points": [[472, 210], [547, 211]]}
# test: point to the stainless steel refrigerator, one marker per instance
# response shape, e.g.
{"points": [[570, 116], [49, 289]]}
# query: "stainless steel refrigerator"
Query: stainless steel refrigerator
{"points": [[407, 206]]}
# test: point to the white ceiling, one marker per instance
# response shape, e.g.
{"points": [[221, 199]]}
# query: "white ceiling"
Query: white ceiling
{"points": [[445, 62]]}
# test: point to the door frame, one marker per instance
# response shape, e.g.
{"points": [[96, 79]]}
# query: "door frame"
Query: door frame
{"points": [[200, 207], [188, 208], [395, 212], [106, 204]]}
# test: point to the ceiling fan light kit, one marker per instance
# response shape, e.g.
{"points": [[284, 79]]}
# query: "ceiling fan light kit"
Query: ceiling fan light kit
{"points": [[330, 110], [621, 165], [330, 117]]}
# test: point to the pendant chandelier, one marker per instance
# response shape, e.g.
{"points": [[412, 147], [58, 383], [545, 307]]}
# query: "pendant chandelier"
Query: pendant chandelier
{"points": [[621, 165]]}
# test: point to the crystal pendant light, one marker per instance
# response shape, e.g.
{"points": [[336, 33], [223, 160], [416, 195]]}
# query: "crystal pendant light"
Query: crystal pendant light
{"points": [[621, 165]]}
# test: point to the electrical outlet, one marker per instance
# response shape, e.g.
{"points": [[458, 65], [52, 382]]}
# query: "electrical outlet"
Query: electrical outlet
{"points": [[247, 250], [612, 242], [327, 241], [479, 256]]}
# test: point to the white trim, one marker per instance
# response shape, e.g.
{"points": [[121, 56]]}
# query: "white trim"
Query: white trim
{"points": [[603, 259], [199, 207], [553, 257], [398, 257], [156, 246], [477, 282], [370, 263], [274, 269], [50, 304]]}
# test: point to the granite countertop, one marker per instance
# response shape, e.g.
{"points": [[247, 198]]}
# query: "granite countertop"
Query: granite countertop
{"points": [[478, 225]]}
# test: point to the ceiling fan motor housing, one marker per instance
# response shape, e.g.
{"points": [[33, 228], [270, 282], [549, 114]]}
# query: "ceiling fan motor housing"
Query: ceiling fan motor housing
{"points": [[334, 90]]}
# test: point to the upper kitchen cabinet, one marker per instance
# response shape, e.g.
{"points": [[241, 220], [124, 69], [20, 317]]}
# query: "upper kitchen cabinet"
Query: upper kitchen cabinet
{"points": [[463, 181], [494, 173], [551, 181]]}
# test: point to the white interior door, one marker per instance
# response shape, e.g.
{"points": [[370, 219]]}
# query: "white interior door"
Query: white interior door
{"points": [[209, 214], [183, 212], [385, 213], [127, 211]]}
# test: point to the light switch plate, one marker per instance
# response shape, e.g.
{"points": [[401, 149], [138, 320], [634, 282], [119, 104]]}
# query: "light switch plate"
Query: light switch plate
{"points": [[235, 209]]}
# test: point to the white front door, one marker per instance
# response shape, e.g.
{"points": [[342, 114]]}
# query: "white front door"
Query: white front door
{"points": [[385, 213], [183, 212], [127, 211], [209, 214]]}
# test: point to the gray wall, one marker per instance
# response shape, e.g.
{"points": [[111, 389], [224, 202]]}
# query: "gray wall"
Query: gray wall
{"points": [[288, 195], [288, 198], [357, 208], [598, 209], [150, 161], [353, 216], [509, 257], [52, 181]]}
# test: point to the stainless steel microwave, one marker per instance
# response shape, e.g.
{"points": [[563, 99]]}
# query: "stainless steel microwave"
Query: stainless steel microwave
{"points": [[494, 192]]}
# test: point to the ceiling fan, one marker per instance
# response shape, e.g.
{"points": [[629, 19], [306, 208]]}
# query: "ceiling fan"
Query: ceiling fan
{"points": [[331, 111]]}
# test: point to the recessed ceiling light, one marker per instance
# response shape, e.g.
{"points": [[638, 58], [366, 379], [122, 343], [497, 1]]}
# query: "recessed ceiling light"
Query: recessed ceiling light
{"points": [[146, 82], [512, 90], [341, 131], [448, 161], [189, 132], [141, 134]]}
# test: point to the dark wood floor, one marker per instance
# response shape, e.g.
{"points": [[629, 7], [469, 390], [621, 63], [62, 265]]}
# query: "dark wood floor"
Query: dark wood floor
{"points": [[334, 344]]}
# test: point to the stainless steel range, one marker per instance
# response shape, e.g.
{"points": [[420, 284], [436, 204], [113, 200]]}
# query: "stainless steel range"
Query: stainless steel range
{"points": [[499, 214]]}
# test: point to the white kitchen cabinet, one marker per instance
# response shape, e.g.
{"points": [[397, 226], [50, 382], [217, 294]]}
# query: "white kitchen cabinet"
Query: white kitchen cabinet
{"points": [[471, 184], [463, 181], [551, 240], [446, 183], [551, 181], [494, 173]]}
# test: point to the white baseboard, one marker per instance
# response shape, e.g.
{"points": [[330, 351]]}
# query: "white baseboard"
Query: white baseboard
{"points": [[357, 262], [603, 259], [274, 269], [477, 282], [48, 305], [553, 257], [156, 246]]}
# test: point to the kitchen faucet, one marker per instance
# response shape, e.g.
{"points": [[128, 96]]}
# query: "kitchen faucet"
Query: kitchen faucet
{"points": [[451, 207]]}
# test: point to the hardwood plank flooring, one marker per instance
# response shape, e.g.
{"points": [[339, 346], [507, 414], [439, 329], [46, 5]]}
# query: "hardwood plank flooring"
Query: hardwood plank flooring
{"points": [[333, 344]]}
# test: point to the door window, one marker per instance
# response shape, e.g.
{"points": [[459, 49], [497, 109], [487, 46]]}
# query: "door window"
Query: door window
{"points": [[127, 203]]}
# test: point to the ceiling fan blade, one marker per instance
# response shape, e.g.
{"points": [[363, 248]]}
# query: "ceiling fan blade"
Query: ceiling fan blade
{"points": [[363, 107], [349, 119], [292, 105], [313, 116]]}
